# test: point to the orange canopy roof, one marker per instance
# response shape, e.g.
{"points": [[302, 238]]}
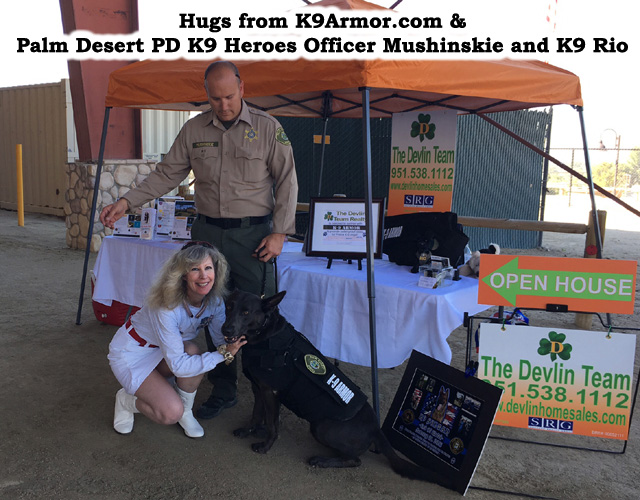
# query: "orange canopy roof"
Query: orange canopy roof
{"points": [[331, 88], [295, 88]]}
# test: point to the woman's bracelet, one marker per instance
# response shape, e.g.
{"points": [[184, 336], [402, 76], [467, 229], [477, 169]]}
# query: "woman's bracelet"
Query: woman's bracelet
{"points": [[228, 357]]}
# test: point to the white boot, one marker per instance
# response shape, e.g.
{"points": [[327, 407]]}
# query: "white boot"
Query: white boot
{"points": [[123, 414], [188, 422]]}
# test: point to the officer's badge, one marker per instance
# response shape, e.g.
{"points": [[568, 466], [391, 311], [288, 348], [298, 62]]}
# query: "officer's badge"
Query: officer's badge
{"points": [[282, 138], [314, 364], [250, 135]]}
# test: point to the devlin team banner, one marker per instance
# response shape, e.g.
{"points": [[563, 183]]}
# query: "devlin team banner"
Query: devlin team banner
{"points": [[422, 162], [570, 381]]}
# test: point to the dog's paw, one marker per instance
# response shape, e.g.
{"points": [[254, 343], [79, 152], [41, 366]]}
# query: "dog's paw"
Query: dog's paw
{"points": [[242, 432], [261, 448]]}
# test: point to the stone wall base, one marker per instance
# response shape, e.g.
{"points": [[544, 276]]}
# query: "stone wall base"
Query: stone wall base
{"points": [[117, 177]]}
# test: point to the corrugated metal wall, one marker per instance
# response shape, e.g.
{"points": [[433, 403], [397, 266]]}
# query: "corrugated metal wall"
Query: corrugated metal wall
{"points": [[40, 117], [159, 130], [34, 116], [497, 177]]}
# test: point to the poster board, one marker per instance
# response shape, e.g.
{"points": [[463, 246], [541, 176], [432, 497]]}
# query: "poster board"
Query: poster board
{"points": [[423, 147], [440, 418], [570, 381], [337, 228]]}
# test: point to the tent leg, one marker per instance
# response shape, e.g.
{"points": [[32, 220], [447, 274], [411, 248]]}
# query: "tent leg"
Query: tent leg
{"points": [[326, 112], [594, 212], [324, 135], [545, 173], [92, 212], [371, 286], [587, 165]]}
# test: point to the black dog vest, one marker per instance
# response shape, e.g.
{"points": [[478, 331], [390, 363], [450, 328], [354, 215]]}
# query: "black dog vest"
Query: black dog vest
{"points": [[306, 382]]}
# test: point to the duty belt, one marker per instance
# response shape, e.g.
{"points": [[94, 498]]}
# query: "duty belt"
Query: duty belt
{"points": [[226, 223]]}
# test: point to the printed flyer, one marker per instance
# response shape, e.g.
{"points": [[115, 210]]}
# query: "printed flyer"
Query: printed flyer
{"points": [[569, 381]]}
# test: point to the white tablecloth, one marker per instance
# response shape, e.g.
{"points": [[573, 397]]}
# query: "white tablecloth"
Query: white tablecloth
{"points": [[125, 268], [329, 306]]}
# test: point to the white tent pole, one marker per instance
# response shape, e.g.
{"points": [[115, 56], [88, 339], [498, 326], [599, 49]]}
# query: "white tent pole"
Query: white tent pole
{"points": [[92, 212], [368, 212]]}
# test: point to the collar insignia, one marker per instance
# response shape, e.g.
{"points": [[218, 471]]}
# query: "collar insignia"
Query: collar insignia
{"points": [[250, 134]]}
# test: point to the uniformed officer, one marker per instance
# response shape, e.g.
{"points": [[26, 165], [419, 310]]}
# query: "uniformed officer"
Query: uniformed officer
{"points": [[245, 192]]}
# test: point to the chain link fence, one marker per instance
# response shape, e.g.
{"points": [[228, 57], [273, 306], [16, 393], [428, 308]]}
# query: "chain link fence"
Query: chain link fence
{"points": [[615, 170]]}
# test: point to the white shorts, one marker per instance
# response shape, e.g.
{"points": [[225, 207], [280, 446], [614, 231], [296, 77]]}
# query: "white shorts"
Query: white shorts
{"points": [[130, 362]]}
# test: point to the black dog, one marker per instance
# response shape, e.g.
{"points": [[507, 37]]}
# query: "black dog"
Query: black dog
{"points": [[285, 368]]}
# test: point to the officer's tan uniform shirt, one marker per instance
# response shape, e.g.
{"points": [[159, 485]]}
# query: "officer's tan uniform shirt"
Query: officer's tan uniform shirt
{"points": [[235, 169]]}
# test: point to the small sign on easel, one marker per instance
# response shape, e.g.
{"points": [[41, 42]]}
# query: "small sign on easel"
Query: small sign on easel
{"points": [[441, 417]]}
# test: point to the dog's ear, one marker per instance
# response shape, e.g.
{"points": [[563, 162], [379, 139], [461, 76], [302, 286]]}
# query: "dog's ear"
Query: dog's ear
{"points": [[273, 301]]}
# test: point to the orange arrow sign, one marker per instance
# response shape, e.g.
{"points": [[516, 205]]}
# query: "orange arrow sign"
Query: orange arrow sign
{"points": [[583, 285]]}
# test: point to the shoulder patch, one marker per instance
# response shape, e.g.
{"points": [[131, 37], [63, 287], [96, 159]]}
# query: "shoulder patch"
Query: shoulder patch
{"points": [[314, 364], [282, 138]]}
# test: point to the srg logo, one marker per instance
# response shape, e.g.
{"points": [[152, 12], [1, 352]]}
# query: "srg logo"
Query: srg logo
{"points": [[551, 424], [418, 200]]}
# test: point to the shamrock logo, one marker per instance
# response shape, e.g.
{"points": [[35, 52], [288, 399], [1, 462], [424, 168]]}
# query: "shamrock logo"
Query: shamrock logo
{"points": [[328, 216], [423, 128], [555, 346]]}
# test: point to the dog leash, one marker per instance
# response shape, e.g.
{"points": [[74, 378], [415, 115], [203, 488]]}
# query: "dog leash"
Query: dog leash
{"points": [[264, 275]]}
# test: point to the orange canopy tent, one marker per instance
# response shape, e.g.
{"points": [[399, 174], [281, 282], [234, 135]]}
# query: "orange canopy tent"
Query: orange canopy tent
{"points": [[350, 89], [362, 89]]}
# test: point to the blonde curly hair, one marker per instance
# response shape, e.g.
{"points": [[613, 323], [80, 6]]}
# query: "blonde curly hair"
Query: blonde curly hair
{"points": [[170, 288]]}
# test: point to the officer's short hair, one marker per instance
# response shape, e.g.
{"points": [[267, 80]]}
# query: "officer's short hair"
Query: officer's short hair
{"points": [[225, 64]]}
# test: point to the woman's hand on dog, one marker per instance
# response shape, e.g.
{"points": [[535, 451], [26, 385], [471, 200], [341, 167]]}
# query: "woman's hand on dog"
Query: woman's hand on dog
{"points": [[234, 347]]}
